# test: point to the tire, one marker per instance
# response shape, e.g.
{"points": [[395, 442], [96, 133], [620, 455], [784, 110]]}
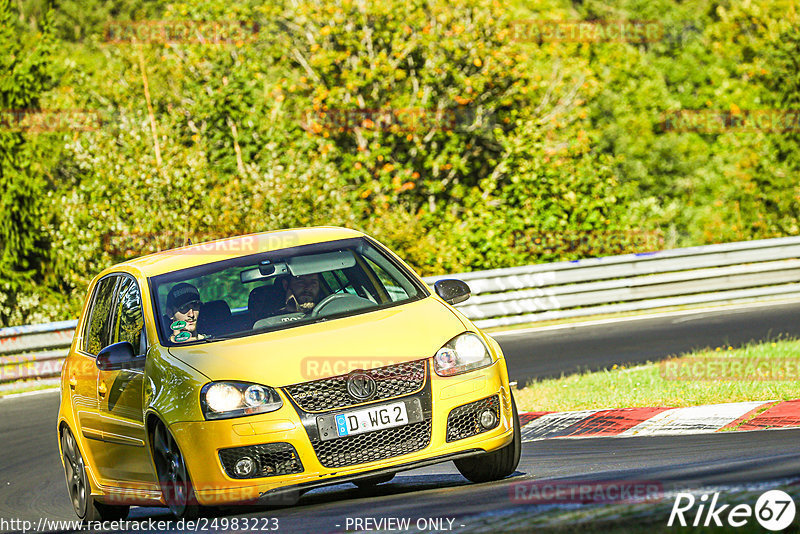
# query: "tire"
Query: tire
{"points": [[173, 476], [371, 482], [498, 464], [86, 507]]}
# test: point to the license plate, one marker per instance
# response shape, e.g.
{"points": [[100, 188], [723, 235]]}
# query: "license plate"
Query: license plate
{"points": [[328, 427], [369, 419]]}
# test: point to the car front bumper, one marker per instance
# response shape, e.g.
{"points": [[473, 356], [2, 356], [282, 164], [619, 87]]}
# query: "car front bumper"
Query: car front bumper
{"points": [[201, 442]]}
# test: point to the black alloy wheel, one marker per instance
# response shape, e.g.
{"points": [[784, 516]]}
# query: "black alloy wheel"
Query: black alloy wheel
{"points": [[173, 477], [86, 507]]}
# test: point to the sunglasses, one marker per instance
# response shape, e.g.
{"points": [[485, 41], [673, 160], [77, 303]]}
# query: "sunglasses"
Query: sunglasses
{"points": [[193, 305]]}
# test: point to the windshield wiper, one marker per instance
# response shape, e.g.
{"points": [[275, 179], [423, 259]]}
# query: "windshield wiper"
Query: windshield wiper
{"points": [[210, 338]]}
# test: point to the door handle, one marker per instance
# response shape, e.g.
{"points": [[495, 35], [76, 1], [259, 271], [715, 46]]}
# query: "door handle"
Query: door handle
{"points": [[73, 382], [102, 389]]}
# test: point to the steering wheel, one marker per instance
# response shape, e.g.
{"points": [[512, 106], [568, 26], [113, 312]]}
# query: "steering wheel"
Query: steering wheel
{"points": [[327, 300]]}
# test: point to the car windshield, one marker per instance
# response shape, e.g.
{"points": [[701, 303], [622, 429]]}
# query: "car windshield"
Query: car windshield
{"points": [[280, 289]]}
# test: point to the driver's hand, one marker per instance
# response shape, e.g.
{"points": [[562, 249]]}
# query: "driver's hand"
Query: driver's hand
{"points": [[305, 307], [303, 304]]}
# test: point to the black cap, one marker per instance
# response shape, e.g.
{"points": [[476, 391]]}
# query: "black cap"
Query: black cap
{"points": [[180, 294]]}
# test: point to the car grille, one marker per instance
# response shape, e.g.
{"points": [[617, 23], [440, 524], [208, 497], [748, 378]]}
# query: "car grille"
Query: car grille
{"points": [[372, 446], [331, 393], [464, 421], [271, 459]]}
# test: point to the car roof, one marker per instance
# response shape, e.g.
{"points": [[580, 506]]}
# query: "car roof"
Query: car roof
{"points": [[232, 247]]}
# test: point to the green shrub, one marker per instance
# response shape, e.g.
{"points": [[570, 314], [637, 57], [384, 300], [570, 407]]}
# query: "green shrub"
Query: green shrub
{"points": [[427, 124]]}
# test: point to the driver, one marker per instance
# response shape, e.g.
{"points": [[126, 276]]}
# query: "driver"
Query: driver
{"points": [[183, 309], [302, 293]]}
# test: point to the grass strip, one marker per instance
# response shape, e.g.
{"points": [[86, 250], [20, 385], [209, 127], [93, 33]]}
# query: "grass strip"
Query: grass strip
{"points": [[755, 372]]}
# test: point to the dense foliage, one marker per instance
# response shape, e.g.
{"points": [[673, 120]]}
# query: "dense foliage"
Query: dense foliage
{"points": [[439, 127]]}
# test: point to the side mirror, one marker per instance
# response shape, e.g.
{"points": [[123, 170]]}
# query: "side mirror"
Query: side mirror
{"points": [[452, 291], [118, 356]]}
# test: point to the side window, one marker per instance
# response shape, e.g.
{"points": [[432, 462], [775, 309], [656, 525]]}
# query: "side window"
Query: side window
{"points": [[393, 288], [331, 280], [338, 281], [129, 320], [97, 329]]}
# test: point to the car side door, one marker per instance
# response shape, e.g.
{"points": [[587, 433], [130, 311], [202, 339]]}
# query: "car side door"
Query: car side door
{"points": [[127, 458], [82, 371]]}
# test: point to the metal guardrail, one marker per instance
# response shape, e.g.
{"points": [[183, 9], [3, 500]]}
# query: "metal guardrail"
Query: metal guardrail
{"points": [[725, 273], [34, 351]]}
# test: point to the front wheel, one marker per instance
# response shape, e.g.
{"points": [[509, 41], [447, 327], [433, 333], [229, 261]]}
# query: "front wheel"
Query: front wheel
{"points": [[80, 492], [173, 477], [498, 464]]}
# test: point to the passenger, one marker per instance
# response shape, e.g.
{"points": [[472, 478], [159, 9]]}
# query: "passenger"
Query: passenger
{"points": [[183, 309], [302, 293]]}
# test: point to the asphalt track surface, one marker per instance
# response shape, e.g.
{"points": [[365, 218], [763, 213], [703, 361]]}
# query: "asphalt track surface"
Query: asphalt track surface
{"points": [[32, 482], [549, 353]]}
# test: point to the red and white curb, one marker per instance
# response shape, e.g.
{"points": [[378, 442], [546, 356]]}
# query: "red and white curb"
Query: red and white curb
{"points": [[758, 415]]}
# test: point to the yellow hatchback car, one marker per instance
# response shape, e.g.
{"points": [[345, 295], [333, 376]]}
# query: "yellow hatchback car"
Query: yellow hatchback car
{"points": [[253, 369]]}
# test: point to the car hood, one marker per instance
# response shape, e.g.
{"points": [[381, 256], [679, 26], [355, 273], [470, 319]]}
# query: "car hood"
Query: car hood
{"points": [[383, 337]]}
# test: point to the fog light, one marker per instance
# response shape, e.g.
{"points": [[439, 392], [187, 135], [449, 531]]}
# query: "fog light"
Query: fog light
{"points": [[488, 419], [244, 467]]}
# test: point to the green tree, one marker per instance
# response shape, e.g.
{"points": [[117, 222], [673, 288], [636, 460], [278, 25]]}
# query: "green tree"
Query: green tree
{"points": [[777, 185], [24, 77]]}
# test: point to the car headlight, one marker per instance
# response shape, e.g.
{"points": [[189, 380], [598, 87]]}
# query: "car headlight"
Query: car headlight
{"points": [[221, 400], [463, 353]]}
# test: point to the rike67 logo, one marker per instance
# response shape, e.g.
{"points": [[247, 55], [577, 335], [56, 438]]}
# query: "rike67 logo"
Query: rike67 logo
{"points": [[774, 510]]}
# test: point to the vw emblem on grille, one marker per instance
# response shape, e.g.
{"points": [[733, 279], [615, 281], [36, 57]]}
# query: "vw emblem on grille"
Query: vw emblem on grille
{"points": [[361, 386]]}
